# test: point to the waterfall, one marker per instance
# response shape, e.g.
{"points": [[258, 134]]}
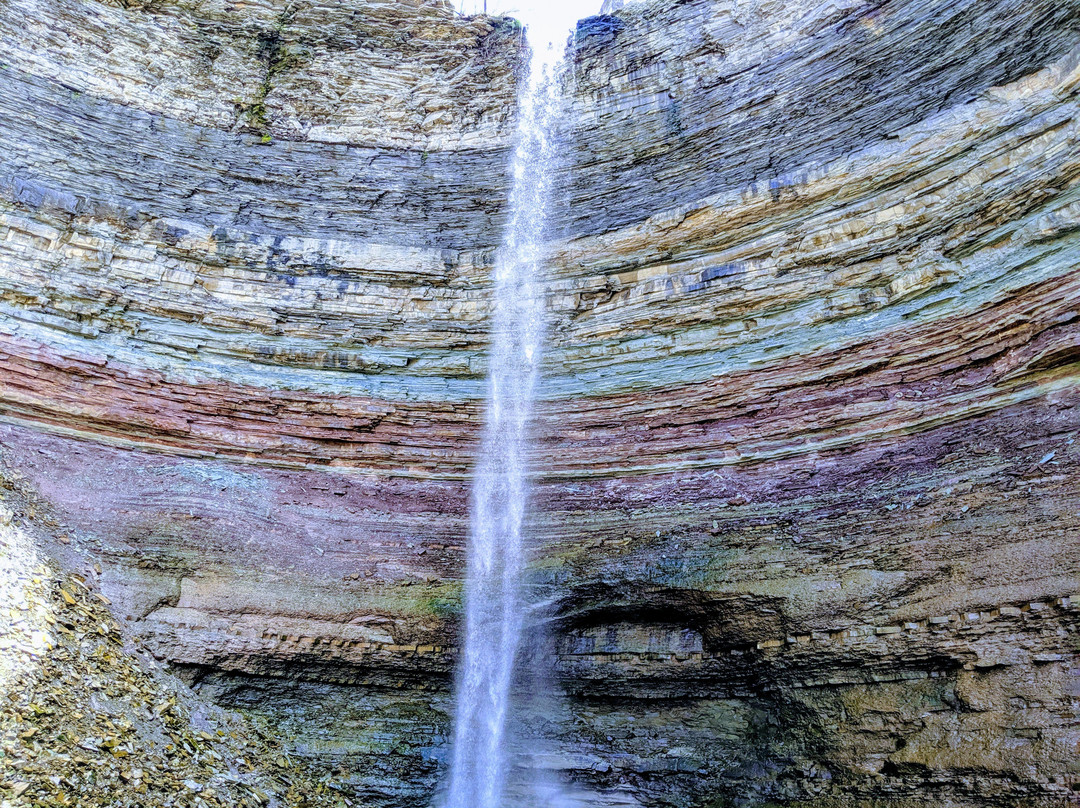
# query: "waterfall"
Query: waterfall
{"points": [[494, 599]]}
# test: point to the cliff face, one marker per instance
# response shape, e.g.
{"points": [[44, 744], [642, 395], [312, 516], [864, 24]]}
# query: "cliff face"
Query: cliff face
{"points": [[806, 510], [87, 720]]}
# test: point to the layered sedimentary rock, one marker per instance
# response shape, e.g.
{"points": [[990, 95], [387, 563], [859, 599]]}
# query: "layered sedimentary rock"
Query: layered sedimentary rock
{"points": [[89, 721], [806, 512]]}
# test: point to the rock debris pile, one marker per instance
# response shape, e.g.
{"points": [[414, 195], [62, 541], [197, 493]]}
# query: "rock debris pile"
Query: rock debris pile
{"points": [[88, 720]]}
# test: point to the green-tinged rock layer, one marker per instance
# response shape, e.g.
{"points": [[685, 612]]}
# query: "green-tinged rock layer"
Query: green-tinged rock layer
{"points": [[806, 515]]}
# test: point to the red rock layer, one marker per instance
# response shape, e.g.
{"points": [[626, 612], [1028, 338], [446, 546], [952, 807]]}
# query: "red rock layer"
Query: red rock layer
{"points": [[805, 463]]}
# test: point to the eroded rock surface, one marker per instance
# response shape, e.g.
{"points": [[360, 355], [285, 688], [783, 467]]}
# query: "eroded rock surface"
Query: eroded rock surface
{"points": [[807, 513], [91, 720]]}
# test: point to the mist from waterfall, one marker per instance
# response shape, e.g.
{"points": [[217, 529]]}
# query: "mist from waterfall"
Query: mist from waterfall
{"points": [[495, 602]]}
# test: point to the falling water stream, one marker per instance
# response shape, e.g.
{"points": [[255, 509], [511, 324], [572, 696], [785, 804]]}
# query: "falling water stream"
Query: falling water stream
{"points": [[495, 602]]}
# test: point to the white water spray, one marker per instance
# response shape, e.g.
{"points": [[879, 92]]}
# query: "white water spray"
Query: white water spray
{"points": [[494, 599]]}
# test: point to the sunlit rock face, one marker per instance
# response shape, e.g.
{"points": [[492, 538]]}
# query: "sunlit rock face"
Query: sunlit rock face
{"points": [[807, 515]]}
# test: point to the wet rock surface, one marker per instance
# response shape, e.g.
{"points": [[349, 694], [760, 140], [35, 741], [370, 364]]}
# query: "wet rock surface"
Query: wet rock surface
{"points": [[806, 513]]}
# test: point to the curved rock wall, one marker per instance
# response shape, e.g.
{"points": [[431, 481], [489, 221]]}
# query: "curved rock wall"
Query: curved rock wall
{"points": [[806, 510]]}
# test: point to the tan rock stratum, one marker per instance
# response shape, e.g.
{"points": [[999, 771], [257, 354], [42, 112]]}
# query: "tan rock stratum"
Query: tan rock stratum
{"points": [[807, 513]]}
